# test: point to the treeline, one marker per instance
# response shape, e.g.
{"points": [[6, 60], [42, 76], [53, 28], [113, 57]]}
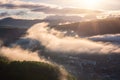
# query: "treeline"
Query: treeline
{"points": [[29, 70]]}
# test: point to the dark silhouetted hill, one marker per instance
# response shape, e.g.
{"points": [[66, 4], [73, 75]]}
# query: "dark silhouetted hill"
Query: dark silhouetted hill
{"points": [[10, 35], [29, 70], [18, 23]]}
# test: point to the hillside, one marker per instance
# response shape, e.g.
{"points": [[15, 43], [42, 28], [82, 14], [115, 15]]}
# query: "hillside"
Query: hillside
{"points": [[25, 23], [9, 34], [28, 70], [94, 27]]}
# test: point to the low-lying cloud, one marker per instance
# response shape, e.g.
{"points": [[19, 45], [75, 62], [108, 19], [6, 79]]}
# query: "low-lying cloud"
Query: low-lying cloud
{"points": [[40, 37], [56, 46], [114, 38], [56, 41], [3, 14], [18, 54]]}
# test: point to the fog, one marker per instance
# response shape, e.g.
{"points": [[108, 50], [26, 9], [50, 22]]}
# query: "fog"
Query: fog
{"points": [[54, 40], [113, 38], [45, 44], [18, 54]]}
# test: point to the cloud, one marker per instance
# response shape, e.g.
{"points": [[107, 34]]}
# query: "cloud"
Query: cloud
{"points": [[62, 19], [45, 8], [15, 15], [10, 4], [49, 10], [57, 47], [3, 14], [18, 54], [111, 4], [20, 13], [56, 41], [114, 38]]}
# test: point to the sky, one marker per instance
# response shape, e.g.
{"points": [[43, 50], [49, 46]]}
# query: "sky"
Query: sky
{"points": [[40, 9], [102, 4]]}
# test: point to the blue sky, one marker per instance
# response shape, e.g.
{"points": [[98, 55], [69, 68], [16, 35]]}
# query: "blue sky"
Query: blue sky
{"points": [[40, 9]]}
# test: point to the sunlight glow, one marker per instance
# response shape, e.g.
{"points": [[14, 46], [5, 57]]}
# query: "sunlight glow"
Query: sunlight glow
{"points": [[91, 4]]}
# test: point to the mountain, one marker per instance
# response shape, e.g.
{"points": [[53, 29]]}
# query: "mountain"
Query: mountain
{"points": [[60, 19], [9, 35], [24, 23], [18, 23], [12, 29], [94, 27]]}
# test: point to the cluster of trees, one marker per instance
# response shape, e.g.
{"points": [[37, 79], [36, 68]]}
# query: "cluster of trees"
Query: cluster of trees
{"points": [[28, 70]]}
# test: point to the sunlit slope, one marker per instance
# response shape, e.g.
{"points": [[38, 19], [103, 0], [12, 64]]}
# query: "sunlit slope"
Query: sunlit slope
{"points": [[94, 27]]}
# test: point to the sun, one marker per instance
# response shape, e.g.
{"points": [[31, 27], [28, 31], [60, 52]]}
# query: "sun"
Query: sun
{"points": [[91, 4]]}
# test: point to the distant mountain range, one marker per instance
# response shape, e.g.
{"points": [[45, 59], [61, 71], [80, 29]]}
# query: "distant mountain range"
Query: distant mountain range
{"points": [[24, 23], [17, 23]]}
